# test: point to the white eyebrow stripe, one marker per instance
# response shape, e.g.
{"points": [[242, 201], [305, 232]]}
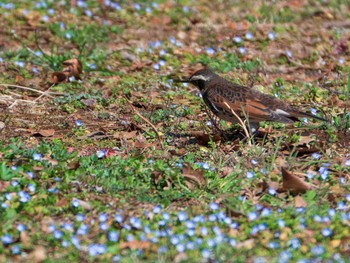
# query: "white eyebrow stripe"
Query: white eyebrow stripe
{"points": [[281, 112], [200, 77]]}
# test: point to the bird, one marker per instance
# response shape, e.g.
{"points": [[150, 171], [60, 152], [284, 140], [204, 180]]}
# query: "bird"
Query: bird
{"points": [[224, 97]]}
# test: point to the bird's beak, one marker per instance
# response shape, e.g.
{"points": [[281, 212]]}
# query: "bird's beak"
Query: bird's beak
{"points": [[187, 80]]}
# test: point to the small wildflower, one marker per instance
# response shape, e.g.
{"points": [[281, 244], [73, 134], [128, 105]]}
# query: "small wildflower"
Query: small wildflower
{"points": [[289, 53], [37, 156], [157, 209], [100, 153], [156, 66], [75, 203], [80, 217], [326, 232], [281, 223], [205, 253], [272, 191], [16, 250], [118, 218], [209, 51], [316, 156], [242, 50], [21, 227], [317, 250], [237, 39], [213, 206], [182, 216], [113, 236], [249, 36], [271, 35], [24, 197], [83, 229], [250, 175], [180, 248], [252, 216], [57, 234], [6, 239], [341, 60]]}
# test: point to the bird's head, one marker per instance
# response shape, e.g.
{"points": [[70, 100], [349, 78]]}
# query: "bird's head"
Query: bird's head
{"points": [[200, 78]]}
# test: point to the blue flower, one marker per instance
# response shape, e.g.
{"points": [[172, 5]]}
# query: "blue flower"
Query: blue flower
{"points": [[78, 123], [100, 153], [209, 50], [83, 229], [57, 234], [326, 232], [113, 236], [37, 156], [21, 227], [213, 206], [206, 253], [250, 175], [249, 36], [75, 202], [102, 217], [271, 35], [174, 239], [16, 250], [24, 197], [252, 216], [180, 248], [294, 243], [118, 218], [6, 239], [317, 250], [316, 156], [204, 231], [182, 216], [80, 217], [237, 39]]}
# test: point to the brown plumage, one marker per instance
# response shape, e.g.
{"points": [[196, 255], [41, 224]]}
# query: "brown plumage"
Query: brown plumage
{"points": [[222, 96]]}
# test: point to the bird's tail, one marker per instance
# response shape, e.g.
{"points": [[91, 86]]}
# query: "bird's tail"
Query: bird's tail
{"points": [[309, 115]]}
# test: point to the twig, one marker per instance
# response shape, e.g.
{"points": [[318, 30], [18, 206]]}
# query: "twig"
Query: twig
{"points": [[148, 122], [15, 102], [241, 122], [25, 88], [45, 93]]}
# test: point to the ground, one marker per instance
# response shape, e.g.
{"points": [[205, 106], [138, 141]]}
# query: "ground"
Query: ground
{"points": [[105, 157]]}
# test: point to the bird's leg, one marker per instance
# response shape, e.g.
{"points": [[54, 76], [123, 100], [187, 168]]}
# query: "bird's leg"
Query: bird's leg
{"points": [[253, 127], [221, 132]]}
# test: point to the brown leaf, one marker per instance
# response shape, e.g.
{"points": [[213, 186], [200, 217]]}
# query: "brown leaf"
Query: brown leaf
{"points": [[294, 184], [204, 138], [193, 177], [135, 244], [125, 135], [247, 244], [38, 255], [58, 77], [44, 133], [299, 202], [73, 67], [226, 171]]}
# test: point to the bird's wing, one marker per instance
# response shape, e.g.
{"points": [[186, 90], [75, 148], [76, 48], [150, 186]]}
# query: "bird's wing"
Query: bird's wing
{"points": [[244, 103], [219, 99]]}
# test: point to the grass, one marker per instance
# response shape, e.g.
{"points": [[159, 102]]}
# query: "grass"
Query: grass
{"points": [[83, 176]]}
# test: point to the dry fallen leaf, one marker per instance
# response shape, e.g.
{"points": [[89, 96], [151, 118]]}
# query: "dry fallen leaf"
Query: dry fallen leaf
{"points": [[299, 202], [193, 177], [73, 67], [58, 77], [294, 184], [44, 133], [135, 244]]}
